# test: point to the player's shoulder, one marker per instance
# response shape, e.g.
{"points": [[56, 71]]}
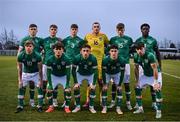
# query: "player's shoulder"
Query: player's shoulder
{"points": [[152, 38], [106, 59], [127, 37], [102, 34], [113, 38], [66, 38], [150, 54], [138, 39], [21, 54], [25, 38], [92, 57]]}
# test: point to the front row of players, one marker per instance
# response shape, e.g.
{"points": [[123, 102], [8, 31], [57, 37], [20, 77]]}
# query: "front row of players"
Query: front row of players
{"points": [[84, 67]]}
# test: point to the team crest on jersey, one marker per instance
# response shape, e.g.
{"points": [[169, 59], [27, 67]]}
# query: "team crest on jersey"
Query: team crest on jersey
{"points": [[33, 60], [63, 63], [100, 38], [89, 63], [146, 60]]}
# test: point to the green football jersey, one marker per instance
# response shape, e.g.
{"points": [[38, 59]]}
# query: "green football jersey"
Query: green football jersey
{"points": [[38, 42], [124, 44], [47, 45], [85, 66], [72, 46], [111, 67], [58, 66], [145, 61], [29, 61], [149, 42]]}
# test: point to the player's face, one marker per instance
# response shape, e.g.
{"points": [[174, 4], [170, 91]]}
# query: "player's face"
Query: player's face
{"points": [[74, 31], [113, 54], [53, 32], [140, 51], [33, 31], [85, 52], [29, 48], [145, 31], [96, 28], [58, 52], [120, 31]]}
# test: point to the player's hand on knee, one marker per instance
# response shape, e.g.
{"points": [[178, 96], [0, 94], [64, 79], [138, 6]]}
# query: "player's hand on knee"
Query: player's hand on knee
{"points": [[76, 86], [119, 87], [92, 86], [40, 84], [156, 86], [68, 89], [49, 90], [105, 87]]}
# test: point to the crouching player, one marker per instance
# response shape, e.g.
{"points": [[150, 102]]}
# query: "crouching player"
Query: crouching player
{"points": [[151, 76], [29, 66], [84, 68], [113, 67], [58, 73]]}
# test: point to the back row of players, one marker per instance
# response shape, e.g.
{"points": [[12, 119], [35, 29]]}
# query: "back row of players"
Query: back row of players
{"points": [[48, 62]]}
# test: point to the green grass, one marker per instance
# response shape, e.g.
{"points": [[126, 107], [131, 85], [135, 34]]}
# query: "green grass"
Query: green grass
{"points": [[8, 99]]}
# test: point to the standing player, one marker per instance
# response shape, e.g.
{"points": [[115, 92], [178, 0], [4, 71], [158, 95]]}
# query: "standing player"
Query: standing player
{"points": [[58, 73], [151, 76], [72, 44], [37, 47], [124, 44], [29, 69], [48, 51], [84, 68], [98, 41], [113, 67], [151, 46]]}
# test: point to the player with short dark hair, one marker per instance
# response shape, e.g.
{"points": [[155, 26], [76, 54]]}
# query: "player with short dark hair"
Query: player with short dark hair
{"points": [[84, 68], [113, 67], [151, 46], [29, 65], [124, 44], [58, 73], [151, 77]]}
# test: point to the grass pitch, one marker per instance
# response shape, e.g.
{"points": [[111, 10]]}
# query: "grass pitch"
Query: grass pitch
{"points": [[9, 90]]}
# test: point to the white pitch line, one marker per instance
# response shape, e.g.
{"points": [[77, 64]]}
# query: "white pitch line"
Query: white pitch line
{"points": [[171, 75]]}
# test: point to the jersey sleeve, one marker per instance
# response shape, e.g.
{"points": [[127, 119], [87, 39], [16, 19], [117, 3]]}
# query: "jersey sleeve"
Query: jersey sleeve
{"points": [[106, 40], [152, 58], [135, 58], [39, 59], [19, 58]]}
